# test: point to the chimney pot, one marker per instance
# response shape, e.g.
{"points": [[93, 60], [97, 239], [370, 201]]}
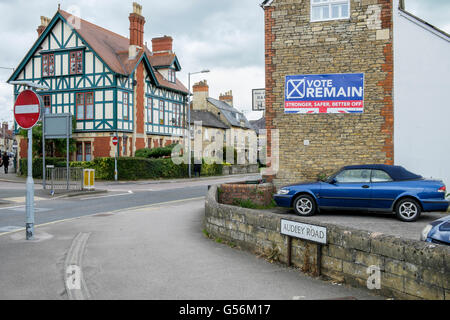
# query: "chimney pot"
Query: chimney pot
{"points": [[44, 23], [137, 22]]}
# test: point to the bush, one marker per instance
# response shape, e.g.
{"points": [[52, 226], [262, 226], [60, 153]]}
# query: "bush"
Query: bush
{"points": [[37, 165], [128, 168], [155, 152]]}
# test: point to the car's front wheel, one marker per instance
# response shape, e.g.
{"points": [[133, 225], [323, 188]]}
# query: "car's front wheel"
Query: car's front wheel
{"points": [[304, 205], [408, 210]]}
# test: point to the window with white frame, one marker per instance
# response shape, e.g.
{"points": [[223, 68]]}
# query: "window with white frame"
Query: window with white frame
{"points": [[323, 10]]}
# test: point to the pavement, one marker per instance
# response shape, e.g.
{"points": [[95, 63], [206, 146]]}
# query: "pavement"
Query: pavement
{"points": [[385, 223], [154, 252]]}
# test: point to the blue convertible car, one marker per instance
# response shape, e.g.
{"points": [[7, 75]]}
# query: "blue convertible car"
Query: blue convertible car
{"points": [[369, 188]]}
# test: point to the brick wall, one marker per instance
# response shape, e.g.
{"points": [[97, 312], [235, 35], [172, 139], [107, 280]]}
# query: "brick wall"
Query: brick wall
{"points": [[409, 269], [361, 44], [102, 147], [260, 194]]}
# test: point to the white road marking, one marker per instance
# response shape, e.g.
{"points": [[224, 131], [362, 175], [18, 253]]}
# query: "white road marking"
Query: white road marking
{"points": [[108, 196], [153, 206]]}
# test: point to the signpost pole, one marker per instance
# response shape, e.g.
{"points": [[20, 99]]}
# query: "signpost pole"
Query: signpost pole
{"points": [[318, 260], [67, 152], [43, 150], [289, 250], [30, 190], [115, 158]]}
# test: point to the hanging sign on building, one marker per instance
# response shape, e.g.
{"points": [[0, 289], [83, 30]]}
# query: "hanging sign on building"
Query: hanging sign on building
{"points": [[324, 93], [259, 99]]}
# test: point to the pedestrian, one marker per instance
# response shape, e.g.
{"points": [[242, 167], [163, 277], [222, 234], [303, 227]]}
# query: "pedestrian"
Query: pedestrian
{"points": [[1, 161], [197, 169], [5, 162]]}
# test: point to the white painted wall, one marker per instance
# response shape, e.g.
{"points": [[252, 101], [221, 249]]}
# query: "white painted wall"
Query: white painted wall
{"points": [[421, 98]]}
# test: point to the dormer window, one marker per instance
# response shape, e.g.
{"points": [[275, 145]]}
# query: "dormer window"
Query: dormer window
{"points": [[48, 65], [76, 62], [325, 10], [172, 76]]}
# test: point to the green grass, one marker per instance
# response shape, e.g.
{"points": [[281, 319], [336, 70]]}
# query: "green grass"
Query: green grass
{"points": [[249, 204]]}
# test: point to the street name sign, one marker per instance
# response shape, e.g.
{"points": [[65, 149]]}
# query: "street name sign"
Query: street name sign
{"points": [[27, 109], [324, 93], [304, 231]]}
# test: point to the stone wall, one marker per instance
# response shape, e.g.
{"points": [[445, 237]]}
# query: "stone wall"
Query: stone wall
{"points": [[260, 194], [409, 269], [240, 169], [360, 44]]}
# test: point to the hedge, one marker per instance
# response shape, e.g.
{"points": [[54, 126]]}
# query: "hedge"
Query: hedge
{"points": [[128, 168], [37, 165], [155, 152]]}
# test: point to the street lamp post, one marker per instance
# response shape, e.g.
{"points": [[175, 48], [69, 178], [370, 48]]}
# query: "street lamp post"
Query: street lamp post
{"points": [[189, 116]]}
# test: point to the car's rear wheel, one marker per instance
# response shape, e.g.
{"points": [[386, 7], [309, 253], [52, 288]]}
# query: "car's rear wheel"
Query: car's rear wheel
{"points": [[304, 205], [408, 210]]}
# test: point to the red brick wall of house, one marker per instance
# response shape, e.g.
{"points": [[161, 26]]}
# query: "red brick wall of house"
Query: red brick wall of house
{"points": [[102, 147], [388, 84], [23, 145]]}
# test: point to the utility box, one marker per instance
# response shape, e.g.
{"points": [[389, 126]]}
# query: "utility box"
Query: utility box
{"points": [[88, 179]]}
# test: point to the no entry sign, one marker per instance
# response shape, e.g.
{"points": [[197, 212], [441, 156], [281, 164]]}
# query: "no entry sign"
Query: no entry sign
{"points": [[27, 109], [114, 141]]}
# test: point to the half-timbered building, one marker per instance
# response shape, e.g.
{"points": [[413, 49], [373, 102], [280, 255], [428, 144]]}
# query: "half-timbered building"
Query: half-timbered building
{"points": [[111, 84]]}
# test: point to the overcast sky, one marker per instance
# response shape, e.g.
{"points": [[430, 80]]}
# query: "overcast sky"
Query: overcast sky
{"points": [[225, 36]]}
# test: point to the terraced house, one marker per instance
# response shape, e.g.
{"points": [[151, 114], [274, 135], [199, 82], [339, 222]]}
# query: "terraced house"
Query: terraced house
{"points": [[110, 83]]}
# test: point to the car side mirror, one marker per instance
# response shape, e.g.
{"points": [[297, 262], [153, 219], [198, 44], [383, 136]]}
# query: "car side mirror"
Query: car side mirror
{"points": [[332, 181]]}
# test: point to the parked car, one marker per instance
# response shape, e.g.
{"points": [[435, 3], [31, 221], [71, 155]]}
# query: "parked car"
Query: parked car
{"points": [[437, 232], [375, 187]]}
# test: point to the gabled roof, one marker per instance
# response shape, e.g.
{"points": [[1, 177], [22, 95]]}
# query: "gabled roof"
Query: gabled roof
{"points": [[165, 61], [110, 47], [258, 124], [230, 114], [208, 119]]}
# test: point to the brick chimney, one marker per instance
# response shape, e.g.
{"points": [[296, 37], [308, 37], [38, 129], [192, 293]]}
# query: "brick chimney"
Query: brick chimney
{"points": [[44, 23], [201, 93], [162, 45], [227, 97], [137, 22]]}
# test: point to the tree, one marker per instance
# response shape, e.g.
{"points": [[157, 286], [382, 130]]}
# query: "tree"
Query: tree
{"points": [[52, 146]]}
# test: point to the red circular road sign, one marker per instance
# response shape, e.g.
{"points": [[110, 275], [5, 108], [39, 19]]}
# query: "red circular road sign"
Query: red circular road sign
{"points": [[27, 109], [115, 140]]}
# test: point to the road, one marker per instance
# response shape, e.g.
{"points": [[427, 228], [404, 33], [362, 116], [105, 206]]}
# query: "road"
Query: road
{"points": [[120, 196], [147, 244]]}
